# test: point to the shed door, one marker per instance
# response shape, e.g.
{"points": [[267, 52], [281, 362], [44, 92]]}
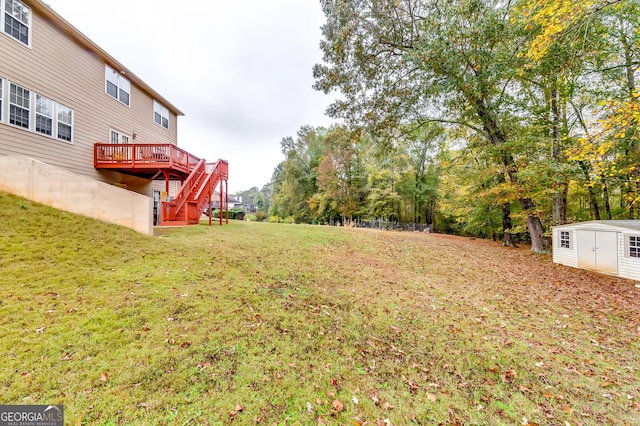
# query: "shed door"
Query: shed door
{"points": [[598, 251], [607, 252], [587, 249]]}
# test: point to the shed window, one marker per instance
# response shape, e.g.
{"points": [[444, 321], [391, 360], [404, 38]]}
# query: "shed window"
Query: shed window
{"points": [[117, 86], [634, 246], [17, 20], [565, 239], [19, 106]]}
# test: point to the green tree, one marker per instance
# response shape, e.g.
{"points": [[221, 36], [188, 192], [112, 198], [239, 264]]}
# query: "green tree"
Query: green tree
{"points": [[404, 62], [295, 184], [341, 173]]}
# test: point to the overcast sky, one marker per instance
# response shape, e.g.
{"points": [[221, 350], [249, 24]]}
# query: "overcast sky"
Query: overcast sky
{"points": [[240, 70]]}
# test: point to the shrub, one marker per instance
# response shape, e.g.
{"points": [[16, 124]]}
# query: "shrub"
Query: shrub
{"points": [[274, 219], [260, 216], [290, 219]]}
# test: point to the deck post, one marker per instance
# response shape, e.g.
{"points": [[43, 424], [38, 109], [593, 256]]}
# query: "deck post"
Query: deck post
{"points": [[226, 192], [220, 213], [166, 182]]}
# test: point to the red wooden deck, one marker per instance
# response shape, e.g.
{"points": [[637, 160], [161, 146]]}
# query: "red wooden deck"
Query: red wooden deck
{"points": [[145, 160], [166, 161]]}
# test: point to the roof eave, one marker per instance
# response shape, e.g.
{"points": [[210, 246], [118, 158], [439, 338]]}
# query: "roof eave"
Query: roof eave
{"points": [[46, 11]]}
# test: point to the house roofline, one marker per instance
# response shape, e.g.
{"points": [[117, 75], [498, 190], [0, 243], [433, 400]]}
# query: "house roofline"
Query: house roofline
{"points": [[53, 17]]}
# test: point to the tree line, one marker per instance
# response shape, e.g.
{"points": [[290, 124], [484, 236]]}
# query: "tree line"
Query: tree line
{"points": [[484, 117]]}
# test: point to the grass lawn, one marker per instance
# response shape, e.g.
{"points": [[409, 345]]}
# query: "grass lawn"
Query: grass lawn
{"points": [[254, 323]]}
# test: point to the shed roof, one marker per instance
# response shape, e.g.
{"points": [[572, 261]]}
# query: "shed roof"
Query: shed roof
{"points": [[632, 225], [73, 33]]}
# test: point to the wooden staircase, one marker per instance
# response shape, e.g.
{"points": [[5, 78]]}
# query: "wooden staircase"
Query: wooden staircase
{"points": [[195, 194]]}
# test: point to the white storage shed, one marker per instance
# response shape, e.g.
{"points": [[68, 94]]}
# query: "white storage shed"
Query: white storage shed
{"points": [[608, 246]]}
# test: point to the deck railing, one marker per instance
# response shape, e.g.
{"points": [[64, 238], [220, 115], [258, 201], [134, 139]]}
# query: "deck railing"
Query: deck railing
{"points": [[107, 155], [194, 196], [220, 167]]}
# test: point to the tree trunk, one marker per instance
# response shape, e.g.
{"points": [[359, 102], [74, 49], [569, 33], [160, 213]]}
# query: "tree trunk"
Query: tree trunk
{"points": [[507, 236], [605, 194], [539, 244], [593, 200], [560, 206], [634, 189], [629, 204], [559, 210], [495, 135]]}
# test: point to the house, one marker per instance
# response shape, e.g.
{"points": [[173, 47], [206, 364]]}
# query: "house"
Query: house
{"points": [[608, 246], [229, 202], [66, 103]]}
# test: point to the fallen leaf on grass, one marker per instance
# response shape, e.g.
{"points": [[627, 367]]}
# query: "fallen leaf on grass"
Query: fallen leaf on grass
{"points": [[509, 375], [337, 405], [431, 397], [335, 384], [355, 400], [104, 377], [41, 329], [374, 398], [234, 413], [387, 406]]}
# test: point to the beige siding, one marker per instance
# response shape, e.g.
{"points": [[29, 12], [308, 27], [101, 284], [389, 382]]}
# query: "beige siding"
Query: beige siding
{"points": [[57, 67]]}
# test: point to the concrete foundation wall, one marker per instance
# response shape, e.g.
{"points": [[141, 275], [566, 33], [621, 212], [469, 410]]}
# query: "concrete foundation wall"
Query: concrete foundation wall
{"points": [[75, 193]]}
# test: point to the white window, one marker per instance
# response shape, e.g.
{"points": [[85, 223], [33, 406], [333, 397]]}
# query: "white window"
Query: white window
{"points": [[565, 239], [116, 136], [47, 118], [17, 20], [160, 114], [19, 106], [44, 115], [65, 123], [117, 86], [634, 246]]}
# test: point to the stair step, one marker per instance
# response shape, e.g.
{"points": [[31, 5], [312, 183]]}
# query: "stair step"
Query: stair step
{"points": [[199, 177]]}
